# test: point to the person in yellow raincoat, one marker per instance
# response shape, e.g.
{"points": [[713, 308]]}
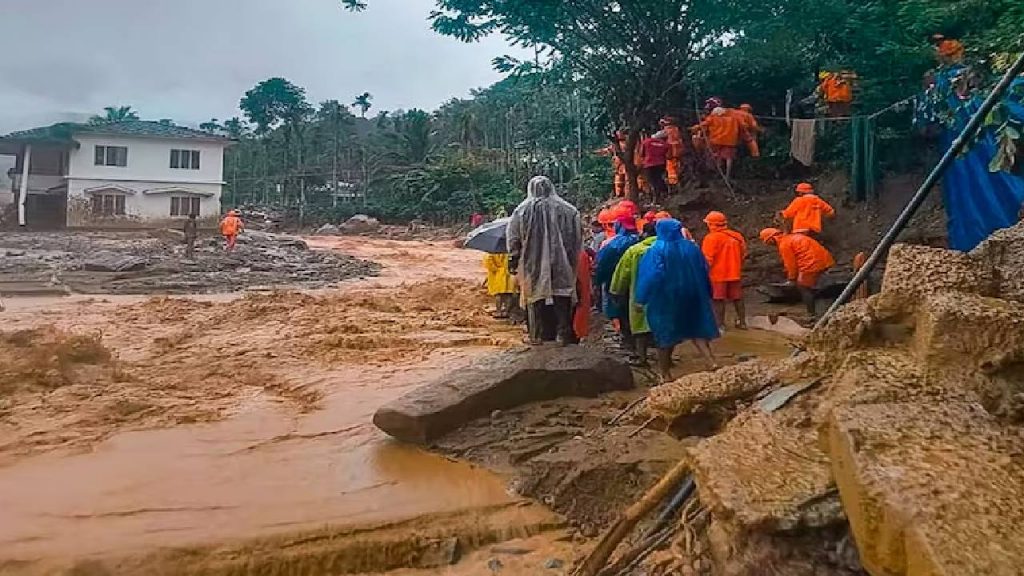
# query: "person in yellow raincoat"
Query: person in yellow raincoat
{"points": [[500, 283]]}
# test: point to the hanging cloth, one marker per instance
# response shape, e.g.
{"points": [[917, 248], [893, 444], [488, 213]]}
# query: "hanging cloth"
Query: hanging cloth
{"points": [[864, 169], [802, 141]]}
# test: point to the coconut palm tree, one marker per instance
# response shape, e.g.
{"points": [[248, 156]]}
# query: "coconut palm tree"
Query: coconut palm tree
{"points": [[115, 114], [363, 102]]}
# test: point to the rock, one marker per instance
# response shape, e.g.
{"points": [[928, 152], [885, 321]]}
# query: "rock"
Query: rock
{"points": [[701, 392], [360, 224], [500, 382], [111, 262], [15, 253], [554, 564], [494, 565], [327, 230]]}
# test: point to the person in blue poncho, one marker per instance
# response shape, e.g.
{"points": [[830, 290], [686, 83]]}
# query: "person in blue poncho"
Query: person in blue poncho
{"points": [[615, 307], [674, 285]]}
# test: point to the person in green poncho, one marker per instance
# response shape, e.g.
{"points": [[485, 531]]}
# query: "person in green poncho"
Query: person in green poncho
{"points": [[623, 286]]}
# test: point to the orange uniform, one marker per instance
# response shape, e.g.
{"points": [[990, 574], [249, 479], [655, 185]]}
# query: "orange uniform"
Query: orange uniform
{"points": [[805, 211], [750, 130], [230, 227], [673, 168], [584, 291], [835, 89], [725, 251], [722, 130], [804, 258]]}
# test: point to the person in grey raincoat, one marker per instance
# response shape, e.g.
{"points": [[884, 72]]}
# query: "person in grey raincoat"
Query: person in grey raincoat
{"points": [[545, 237]]}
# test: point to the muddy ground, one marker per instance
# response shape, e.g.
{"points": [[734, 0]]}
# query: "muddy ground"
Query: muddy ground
{"points": [[153, 262]]}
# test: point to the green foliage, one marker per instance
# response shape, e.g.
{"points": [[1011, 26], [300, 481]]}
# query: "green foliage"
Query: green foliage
{"points": [[115, 114], [273, 102], [364, 102]]}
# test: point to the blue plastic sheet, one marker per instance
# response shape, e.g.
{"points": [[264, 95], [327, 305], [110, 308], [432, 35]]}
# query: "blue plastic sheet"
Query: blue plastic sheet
{"points": [[978, 202]]}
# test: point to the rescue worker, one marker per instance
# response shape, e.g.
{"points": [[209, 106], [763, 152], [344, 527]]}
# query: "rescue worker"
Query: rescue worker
{"points": [[606, 218], [806, 210], [725, 250], [191, 230], [584, 293], [500, 284], [835, 89], [745, 114], [544, 239], [948, 51], [673, 284], [623, 287], [804, 260], [654, 151], [674, 160], [230, 227], [724, 132], [618, 167], [607, 261]]}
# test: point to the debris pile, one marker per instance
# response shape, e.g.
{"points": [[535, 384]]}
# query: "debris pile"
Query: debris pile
{"points": [[143, 262], [892, 445]]}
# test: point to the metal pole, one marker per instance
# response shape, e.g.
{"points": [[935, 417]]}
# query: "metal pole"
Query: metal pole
{"points": [[968, 134]]}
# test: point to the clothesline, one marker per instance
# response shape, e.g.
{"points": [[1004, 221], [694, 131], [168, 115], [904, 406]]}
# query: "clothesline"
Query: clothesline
{"points": [[843, 118]]}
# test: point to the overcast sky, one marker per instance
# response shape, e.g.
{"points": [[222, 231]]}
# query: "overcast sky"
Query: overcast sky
{"points": [[191, 60]]}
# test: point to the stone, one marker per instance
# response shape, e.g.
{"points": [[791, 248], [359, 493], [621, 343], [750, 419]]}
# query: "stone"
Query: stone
{"points": [[1003, 253], [930, 488], [360, 224], [700, 392], [954, 328], [327, 230], [554, 564], [912, 272], [111, 262], [500, 382], [494, 565]]}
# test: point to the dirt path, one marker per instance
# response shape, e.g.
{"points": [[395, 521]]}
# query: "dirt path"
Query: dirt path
{"points": [[220, 419]]}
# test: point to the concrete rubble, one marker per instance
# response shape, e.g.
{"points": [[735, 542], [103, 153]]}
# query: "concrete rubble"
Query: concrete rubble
{"points": [[500, 382], [910, 449]]}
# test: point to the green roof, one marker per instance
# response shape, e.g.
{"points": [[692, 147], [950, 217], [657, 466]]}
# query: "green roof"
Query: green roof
{"points": [[64, 132]]}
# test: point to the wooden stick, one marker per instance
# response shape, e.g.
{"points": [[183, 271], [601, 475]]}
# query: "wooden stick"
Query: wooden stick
{"points": [[598, 557], [627, 410]]}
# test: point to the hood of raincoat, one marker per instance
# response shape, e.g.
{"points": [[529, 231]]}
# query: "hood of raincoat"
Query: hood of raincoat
{"points": [[545, 236]]}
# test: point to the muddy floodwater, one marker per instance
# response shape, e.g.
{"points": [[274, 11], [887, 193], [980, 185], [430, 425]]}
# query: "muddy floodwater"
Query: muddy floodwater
{"points": [[203, 420]]}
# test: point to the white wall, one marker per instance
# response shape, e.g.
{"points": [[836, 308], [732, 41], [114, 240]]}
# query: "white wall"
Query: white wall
{"points": [[140, 208], [149, 160]]}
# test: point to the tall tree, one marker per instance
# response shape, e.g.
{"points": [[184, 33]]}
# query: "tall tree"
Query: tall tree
{"points": [[212, 126], [115, 114], [364, 102]]}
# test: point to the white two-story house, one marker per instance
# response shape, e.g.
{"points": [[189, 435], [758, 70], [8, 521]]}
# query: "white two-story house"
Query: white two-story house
{"points": [[122, 174]]}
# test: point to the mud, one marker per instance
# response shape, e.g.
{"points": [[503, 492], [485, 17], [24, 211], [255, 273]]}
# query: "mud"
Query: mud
{"points": [[153, 262]]}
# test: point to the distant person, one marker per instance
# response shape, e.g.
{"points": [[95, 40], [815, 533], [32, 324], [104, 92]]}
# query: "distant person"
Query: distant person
{"points": [[654, 151], [751, 128], [584, 295], [616, 308], [476, 220], [624, 286], [501, 213], [500, 284], [723, 132], [230, 227], [725, 250], [806, 210], [673, 284], [545, 237], [191, 230], [804, 260]]}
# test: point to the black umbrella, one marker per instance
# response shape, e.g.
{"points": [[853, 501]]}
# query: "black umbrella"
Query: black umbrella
{"points": [[489, 237]]}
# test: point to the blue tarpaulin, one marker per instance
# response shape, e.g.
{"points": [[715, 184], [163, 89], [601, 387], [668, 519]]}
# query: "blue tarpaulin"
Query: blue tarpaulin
{"points": [[978, 202]]}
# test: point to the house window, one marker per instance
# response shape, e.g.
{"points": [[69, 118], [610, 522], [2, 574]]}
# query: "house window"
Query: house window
{"points": [[184, 205], [108, 205], [112, 156], [187, 159]]}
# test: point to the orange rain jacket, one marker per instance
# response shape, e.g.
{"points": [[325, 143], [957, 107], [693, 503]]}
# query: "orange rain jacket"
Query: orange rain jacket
{"points": [[724, 130], [803, 255], [806, 210], [230, 226], [836, 89], [725, 251]]}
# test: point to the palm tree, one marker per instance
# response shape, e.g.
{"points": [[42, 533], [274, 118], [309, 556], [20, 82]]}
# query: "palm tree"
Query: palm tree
{"points": [[363, 102], [115, 114]]}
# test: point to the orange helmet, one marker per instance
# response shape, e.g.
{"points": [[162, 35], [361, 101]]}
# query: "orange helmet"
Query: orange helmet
{"points": [[715, 218], [650, 215], [804, 188], [628, 207], [769, 234], [746, 107], [606, 216], [662, 215]]}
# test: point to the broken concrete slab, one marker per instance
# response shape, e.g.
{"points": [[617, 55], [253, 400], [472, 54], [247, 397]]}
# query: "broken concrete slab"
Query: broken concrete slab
{"points": [[943, 333], [695, 393], [505, 380], [916, 271], [765, 473], [930, 488]]}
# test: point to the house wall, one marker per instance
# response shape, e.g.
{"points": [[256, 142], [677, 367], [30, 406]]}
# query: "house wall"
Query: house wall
{"points": [[149, 160], [147, 182], [142, 209]]}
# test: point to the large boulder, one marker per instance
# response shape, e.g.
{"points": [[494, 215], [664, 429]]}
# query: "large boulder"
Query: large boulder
{"points": [[327, 230], [360, 224], [500, 382]]}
